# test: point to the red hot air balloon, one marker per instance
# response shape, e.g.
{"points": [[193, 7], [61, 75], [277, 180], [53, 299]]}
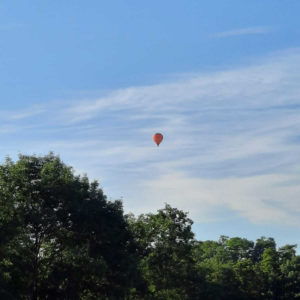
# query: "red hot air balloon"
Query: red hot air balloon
{"points": [[157, 138]]}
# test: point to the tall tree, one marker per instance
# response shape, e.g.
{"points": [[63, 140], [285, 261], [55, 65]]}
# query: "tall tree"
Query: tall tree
{"points": [[61, 238], [260, 246], [165, 240]]}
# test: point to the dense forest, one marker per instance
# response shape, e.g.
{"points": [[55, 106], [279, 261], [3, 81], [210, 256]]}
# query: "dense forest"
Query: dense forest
{"points": [[60, 238]]}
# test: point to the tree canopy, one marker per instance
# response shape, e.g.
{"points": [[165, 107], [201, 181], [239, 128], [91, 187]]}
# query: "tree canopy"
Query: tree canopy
{"points": [[60, 238]]}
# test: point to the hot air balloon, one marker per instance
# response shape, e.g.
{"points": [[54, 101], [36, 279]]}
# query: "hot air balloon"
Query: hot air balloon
{"points": [[157, 138]]}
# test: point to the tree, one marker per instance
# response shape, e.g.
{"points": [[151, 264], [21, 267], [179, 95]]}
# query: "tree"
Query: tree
{"points": [[260, 246], [290, 272], [269, 273], [215, 261], [165, 241], [61, 239], [239, 248], [287, 252], [60, 230]]}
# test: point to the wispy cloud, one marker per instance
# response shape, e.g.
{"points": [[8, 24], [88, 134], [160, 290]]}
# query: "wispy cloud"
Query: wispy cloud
{"points": [[232, 139], [262, 199], [242, 31], [21, 114], [10, 26]]}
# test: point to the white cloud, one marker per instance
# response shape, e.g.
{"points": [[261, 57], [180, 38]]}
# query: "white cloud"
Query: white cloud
{"points": [[242, 31], [10, 26], [232, 139], [262, 199], [257, 87], [21, 114]]}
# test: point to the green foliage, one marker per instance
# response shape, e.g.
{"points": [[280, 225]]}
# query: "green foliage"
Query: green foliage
{"points": [[236, 268], [165, 244], [60, 238]]}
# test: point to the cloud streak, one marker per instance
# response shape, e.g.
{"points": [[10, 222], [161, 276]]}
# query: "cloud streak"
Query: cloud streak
{"points": [[232, 139], [262, 199], [242, 32]]}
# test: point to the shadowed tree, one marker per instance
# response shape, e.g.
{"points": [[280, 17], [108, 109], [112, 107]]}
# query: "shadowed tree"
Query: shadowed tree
{"points": [[260, 246], [165, 240], [60, 237]]}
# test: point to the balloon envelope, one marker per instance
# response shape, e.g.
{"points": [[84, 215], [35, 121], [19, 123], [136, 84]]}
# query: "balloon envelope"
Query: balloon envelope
{"points": [[157, 138]]}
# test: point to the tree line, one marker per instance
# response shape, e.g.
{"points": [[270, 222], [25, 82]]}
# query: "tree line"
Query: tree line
{"points": [[60, 238]]}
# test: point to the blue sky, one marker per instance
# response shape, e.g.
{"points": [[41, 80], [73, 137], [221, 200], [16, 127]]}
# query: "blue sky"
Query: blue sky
{"points": [[92, 81]]}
